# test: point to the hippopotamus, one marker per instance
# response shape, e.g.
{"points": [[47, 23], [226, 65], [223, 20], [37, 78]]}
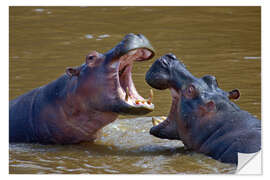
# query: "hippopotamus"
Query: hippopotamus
{"points": [[74, 107], [202, 115]]}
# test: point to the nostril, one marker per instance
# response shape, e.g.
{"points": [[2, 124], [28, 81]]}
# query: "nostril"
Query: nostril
{"points": [[171, 56]]}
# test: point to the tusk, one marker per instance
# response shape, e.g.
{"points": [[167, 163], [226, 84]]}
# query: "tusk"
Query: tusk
{"points": [[151, 94], [149, 101], [154, 121], [127, 94], [157, 121], [163, 117]]}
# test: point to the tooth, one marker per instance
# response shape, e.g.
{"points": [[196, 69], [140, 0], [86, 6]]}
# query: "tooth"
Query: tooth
{"points": [[163, 118], [137, 101], [150, 97], [127, 94], [156, 121]]}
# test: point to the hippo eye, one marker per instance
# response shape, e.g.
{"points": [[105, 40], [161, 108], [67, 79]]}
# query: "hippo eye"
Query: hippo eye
{"points": [[190, 91], [90, 59]]}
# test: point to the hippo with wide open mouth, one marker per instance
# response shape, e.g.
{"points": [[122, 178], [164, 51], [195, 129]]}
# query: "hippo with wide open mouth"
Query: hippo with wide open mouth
{"points": [[202, 115], [74, 107]]}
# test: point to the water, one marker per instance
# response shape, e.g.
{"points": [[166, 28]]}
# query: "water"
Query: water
{"points": [[221, 41], [125, 147]]}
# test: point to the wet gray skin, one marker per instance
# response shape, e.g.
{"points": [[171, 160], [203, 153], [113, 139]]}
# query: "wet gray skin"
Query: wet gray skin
{"points": [[75, 106], [202, 115]]}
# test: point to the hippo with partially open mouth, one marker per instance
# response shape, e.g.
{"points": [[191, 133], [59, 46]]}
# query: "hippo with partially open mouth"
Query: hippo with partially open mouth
{"points": [[75, 106], [202, 115]]}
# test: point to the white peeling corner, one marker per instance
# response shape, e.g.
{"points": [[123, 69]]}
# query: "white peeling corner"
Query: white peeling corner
{"points": [[249, 163]]}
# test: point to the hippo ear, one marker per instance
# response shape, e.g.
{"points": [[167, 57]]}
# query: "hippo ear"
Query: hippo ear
{"points": [[72, 71], [234, 94]]}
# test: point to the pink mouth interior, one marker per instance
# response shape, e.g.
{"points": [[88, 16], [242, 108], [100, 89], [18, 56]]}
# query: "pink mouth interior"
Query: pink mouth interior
{"points": [[125, 74], [176, 95]]}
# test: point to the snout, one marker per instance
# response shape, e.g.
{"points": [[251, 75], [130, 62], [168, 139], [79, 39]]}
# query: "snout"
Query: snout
{"points": [[117, 65], [131, 42], [170, 57], [158, 130], [158, 76], [164, 131]]}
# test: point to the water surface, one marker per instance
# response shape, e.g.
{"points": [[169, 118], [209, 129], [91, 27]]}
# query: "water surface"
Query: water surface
{"points": [[220, 41]]}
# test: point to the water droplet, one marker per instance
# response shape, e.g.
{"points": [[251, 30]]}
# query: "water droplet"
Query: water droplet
{"points": [[39, 10], [252, 57], [89, 36], [104, 36]]}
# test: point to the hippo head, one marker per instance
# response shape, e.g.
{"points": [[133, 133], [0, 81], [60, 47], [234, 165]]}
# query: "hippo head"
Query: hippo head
{"points": [[194, 100], [105, 80]]}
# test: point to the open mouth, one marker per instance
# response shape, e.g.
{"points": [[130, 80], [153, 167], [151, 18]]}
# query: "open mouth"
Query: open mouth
{"points": [[163, 121], [125, 86], [165, 128]]}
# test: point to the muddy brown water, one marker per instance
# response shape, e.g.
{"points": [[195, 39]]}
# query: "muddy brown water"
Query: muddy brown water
{"points": [[220, 41]]}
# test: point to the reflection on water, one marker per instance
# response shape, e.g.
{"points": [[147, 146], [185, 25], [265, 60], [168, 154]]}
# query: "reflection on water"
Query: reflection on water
{"points": [[221, 41]]}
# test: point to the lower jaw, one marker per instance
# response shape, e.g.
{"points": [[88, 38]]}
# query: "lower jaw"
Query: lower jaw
{"points": [[158, 130], [131, 103], [165, 130], [127, 109], [134, 111], [163, 122], [139, 111]]}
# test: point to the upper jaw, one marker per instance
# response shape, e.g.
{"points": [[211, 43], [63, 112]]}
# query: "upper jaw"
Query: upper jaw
{"points": [[131, 102], [161, 73], [168, 72], [129, 43], [120, 60]]}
